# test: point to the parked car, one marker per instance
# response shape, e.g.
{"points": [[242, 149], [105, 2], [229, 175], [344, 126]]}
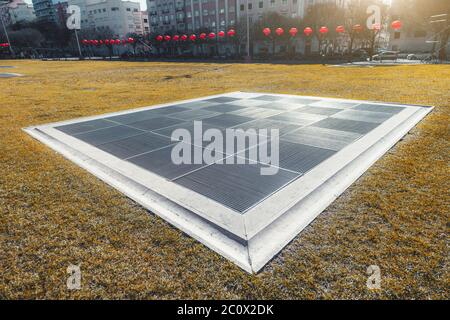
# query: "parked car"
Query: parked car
{"points": [[385, 55], [412, 56], [360, 54]]}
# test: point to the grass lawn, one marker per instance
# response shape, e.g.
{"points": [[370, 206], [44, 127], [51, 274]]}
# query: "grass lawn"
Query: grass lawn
{"points": [[53, 213]]}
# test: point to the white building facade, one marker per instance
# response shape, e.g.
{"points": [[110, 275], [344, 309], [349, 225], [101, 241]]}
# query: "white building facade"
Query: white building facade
{"points": [[112, 16]]}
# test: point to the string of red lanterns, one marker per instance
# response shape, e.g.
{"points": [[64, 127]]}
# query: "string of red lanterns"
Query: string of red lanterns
{"points": [[193, 37], [5, 45], [107, 42], [324, 29], [396, 25]]}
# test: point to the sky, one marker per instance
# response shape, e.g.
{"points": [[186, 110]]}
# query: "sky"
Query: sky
{"points": [[142, 2]]}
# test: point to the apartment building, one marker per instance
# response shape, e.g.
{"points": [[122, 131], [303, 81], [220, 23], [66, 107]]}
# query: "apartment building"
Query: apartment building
{"points": [[166, 15], [19, 11], [212, 15], [112, 16], [191, 15], [45, 10], [257, 8], [143, 26]]}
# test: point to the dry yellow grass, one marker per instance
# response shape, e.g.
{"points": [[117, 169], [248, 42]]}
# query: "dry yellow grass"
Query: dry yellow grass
{"points": [[53, 213]]}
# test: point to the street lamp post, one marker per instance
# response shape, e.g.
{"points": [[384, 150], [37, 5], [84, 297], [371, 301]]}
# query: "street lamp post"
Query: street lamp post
{"points": [[4, 28]]}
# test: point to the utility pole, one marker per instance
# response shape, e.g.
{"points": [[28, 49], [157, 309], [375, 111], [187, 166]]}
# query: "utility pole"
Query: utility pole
{"points": [[248, 33], [2, 3]]}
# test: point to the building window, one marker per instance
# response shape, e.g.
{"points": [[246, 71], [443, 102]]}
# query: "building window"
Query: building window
{"points": [[114, 9], [242, 7], [261, 4], [284, 2], [250, 6], [272, 3]]}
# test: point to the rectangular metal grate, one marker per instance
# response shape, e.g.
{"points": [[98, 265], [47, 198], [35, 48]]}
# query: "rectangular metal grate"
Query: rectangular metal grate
{"points": [[367, 116], [155, 123], [134, 117], [241, 210], [197, 114], [161, 162], [225, 107], [227, 120], [238, 187], [378, 108], [322, 137], [85, 126], [135, 145], [319, 110], [294, 117], [296, 157], [346, 125], [268, 124], [106, 135]]}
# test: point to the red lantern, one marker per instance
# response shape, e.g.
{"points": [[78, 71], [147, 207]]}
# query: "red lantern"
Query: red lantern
{"points": [[124, 42], [167, 37], [107, 42], [202, 36], [211, 35], [184, 37], [293, 31], [323, 30], [340, 29], [111, 42], [231, 33], [101, 42], [397, 24], [221, 34], [193, 37], [267, 31], [176, 37], [117, 41], [376, 27], [159, 38], [85, 41], [308, 31], [279, 31], [130, 40], [357, 28]]}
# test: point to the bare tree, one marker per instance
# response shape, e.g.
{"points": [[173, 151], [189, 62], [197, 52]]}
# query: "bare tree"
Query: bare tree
{"points": [[26, 37], [328, 15], [431, 15]]}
